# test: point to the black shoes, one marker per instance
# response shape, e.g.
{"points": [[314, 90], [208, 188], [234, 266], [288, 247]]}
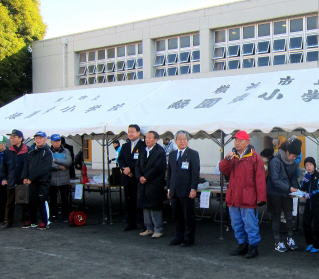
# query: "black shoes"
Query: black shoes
{"points": [[130, 228], [5, 226], [175, 242], [182, 243], [187, 243], [252, 252], [249, 251], [241, 250]]}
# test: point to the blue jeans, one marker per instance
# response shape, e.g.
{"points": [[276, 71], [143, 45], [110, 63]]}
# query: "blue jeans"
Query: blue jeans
{"points": [[244, 222]]}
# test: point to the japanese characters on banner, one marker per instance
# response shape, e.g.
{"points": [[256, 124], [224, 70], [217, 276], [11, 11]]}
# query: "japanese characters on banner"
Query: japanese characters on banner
{"points": [[208, 104]]}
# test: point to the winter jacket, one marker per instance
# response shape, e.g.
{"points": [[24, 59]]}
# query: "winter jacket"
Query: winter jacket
{"points": [[151, 194], [282, 175], [310, 184], [13, 163], [61, 157], [38, 165], [247, 183]]}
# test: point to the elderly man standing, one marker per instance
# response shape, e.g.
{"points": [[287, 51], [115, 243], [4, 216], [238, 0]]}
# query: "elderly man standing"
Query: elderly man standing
{"points": [[246, 190], [127, 160], [183, 176], [150, 172], [13, 163], [36, 173], [60, 177]]}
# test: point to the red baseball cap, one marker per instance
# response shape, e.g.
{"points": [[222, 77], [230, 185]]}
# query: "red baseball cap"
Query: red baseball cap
{"points": [[242, 135]]}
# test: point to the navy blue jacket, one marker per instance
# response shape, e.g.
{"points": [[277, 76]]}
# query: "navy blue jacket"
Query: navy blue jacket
{"points": [[13, 163]]}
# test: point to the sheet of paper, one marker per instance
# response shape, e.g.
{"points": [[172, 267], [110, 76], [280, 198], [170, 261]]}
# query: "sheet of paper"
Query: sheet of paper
{"points": [[295, 207], [204, 199], [78, 194]]}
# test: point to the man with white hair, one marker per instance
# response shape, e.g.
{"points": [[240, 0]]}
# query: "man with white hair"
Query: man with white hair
{"points": [[182, 182]]}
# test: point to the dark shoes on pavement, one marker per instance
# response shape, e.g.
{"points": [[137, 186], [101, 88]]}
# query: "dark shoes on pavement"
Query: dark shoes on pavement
{"points": [[182, 243], [249, 251]]}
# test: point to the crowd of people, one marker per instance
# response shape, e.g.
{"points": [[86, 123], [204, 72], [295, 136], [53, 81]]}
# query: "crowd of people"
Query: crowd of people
{"points": [[152, 173]]}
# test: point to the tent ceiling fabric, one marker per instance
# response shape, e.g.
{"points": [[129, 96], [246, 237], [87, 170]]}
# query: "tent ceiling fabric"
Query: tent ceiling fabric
{"points": [[287, 100]]}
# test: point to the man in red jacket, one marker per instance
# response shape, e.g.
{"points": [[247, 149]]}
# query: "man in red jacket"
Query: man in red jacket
{"points": [[246, 191]]}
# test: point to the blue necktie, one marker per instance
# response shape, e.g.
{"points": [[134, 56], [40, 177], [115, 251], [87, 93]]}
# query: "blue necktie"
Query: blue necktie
{"points": [[179, 158]]}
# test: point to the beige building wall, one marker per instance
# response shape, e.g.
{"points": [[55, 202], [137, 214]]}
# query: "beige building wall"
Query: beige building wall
{"points": [[56, 61]]}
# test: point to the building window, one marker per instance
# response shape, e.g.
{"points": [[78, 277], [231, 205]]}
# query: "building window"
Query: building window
{"points": [[248, 32], [101, 54], [296, 25], [280, 27], [177, 55], [312, 22], [279, 59], [262, 44], [279, 45], [116, 61], [312, 56], [263, 29], [248, 63]]}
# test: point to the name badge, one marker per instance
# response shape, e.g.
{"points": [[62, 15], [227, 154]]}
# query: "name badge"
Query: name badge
{"points": [[185, 165], [136, 156]]}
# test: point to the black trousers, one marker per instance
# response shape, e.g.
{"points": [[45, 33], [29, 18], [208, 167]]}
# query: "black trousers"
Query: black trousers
{"points": [[184, 214], [130, 193], [276, 205], [311, 223], [53, 197], [10, 208], [3, 201], [39, 202]]}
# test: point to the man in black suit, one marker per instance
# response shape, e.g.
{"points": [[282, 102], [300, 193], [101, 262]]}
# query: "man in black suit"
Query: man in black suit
{"points": [[127, 160], [150, 171], [183, 176]]}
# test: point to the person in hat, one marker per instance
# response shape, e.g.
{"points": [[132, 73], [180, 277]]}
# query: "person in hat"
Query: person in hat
{"points": [[310, 185], [12, 166], [60, 177], [37, 174], [246, 190], [3, 189], [283, 180]]}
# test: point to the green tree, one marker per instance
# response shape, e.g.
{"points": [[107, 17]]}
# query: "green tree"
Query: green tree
{"points": [[20, 25]]}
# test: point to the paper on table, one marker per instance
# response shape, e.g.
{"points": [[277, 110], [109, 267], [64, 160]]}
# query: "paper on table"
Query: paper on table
{"points": [[78, 192], [298, 194], [204, 199], [295, 207]]}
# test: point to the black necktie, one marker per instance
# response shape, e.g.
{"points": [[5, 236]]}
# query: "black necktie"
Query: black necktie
{"points": [[179, 159]]}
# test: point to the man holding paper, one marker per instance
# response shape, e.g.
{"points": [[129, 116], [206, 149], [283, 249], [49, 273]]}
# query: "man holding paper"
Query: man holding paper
{"points": [[246, 191]]}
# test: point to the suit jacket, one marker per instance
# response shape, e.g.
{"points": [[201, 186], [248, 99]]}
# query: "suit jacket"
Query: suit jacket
{"points": [[151, 194], [126, 158], [181, 181]]}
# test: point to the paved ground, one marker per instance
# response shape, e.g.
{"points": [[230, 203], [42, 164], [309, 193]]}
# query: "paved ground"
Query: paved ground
{"points": [[105, 251]]}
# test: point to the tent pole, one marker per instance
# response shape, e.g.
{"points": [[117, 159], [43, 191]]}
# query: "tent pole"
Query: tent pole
{"points": [[103, 173], [221, 203], [108, 189]]}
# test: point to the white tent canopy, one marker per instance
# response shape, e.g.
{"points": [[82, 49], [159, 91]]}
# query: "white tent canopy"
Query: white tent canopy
{"points": [[287, 100]]}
